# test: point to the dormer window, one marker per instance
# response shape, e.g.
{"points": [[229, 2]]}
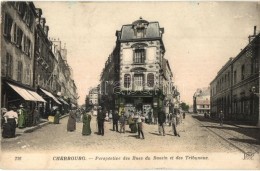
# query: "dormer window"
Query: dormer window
{"points": [[140, 27]]}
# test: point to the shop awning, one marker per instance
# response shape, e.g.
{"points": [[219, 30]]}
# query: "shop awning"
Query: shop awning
{"points": [[63, 101], [27, 95], [50, 95], [37, 96]]}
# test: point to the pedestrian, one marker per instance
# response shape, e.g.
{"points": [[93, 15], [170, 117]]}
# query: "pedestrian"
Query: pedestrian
{"points": [[122, 123], [221, 117], [140, 120], [161, 121], [86, 130], [78, 115], [174, 126], [101, 119], [11, 120], [21, 117], [150, 117], [115, 121], [110, 116], [183, 115], [155, 114], [36, 116], [3, 111], [71, 125], [132, 124], [57, 116], [170, 119]]}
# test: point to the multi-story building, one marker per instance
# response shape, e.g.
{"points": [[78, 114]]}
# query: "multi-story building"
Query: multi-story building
{"points": [[201, 101], [29, 62], [136, 75], [235, 90], [17, 54], [93, 96]]}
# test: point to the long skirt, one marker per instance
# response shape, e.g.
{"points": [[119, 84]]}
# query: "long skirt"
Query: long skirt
{"points": [[133, 128], [86, 130], [9, 128]]}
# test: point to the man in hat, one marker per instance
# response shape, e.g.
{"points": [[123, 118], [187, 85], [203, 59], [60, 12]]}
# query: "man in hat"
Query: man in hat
{"points": [[21, 117], [100, 120]]}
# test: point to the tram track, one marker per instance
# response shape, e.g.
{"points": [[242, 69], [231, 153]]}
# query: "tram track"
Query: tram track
{"points": [[225, 135]]}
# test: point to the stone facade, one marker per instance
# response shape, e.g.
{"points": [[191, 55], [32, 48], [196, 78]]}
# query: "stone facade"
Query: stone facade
{"points": [[201, 101], [231, 90], [136, 75]]}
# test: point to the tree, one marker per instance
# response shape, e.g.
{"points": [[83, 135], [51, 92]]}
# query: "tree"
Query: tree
{"points": [[184, 106]]}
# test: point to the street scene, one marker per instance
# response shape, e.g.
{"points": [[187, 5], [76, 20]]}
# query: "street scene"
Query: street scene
{"points": [[197, 134], [167, 78]]}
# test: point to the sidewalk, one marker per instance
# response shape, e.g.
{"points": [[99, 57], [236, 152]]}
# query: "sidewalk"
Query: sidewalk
{"points": [[241, 125], [43, 123]]}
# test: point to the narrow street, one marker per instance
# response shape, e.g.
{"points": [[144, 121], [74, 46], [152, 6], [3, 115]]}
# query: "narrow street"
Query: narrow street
{"points": [[197, 135]]}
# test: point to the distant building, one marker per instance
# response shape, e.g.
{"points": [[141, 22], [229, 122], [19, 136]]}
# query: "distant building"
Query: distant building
{"points": [[235, 89], [201, 101], [93, 96]]}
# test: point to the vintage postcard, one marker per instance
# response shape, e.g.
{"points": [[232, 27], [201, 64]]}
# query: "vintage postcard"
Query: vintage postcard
{"points": [[130, 85]]}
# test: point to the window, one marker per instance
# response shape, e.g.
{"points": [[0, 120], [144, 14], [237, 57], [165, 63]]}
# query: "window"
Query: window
{"points": [[20, 71], [242, 72], [8, 26], [28, 75], [139, 56], [150, 80], [27, 45], [18, 35], [138, 82], [139, 32], [235, 77], [9, 65], [127, 80]]}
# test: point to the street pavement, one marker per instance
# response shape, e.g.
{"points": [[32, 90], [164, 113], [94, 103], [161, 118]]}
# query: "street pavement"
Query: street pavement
{"points": [[197, 134]]}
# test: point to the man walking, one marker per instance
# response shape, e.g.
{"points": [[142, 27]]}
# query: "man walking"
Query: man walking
{"points": [[101, 119], [221, 117], [174, 126], [115, 120], [122, 123], [161, 121]]}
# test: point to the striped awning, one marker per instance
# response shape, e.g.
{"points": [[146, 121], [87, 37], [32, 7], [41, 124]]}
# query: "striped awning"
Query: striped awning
{"points": [[26, 94], [50, 95], [63, 101]]}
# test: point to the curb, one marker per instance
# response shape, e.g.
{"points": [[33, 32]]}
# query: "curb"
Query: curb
{"points": [[230, 123], [41, 125]]}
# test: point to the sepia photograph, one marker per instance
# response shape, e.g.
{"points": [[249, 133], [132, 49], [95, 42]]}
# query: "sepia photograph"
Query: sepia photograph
{"points": [[146, 85]]}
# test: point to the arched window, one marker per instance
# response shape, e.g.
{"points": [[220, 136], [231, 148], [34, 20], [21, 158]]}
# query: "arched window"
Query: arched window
{"points": [[150, 80], [127, 80]]}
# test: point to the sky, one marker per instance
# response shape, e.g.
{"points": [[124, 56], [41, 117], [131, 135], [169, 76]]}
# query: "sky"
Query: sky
{"points": [[199, 37]]}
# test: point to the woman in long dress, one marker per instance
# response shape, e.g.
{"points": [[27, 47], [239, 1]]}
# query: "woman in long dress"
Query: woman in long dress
{"points": [[86, 130], [71, 126]]}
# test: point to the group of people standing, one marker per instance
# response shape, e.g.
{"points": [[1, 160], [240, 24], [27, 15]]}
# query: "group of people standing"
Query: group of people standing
{"points": [[78, 116], [17, 117]]}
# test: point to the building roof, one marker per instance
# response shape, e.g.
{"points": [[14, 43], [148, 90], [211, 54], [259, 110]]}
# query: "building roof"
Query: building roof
{"points": [[152, 31]]}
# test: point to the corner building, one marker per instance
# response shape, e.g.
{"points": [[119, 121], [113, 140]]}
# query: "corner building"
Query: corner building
{"points": [[141, 76]]}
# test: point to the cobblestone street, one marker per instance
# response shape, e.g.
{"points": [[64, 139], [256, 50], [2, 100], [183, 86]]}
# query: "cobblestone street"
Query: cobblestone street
{"points": [[197, 135]]}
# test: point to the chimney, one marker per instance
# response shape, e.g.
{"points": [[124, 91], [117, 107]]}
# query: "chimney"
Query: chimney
{"points": [[46, 30], [254, 30], [42, 22]]}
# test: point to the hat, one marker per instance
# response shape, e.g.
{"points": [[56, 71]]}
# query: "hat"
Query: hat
{"points": [[3, 109]]}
